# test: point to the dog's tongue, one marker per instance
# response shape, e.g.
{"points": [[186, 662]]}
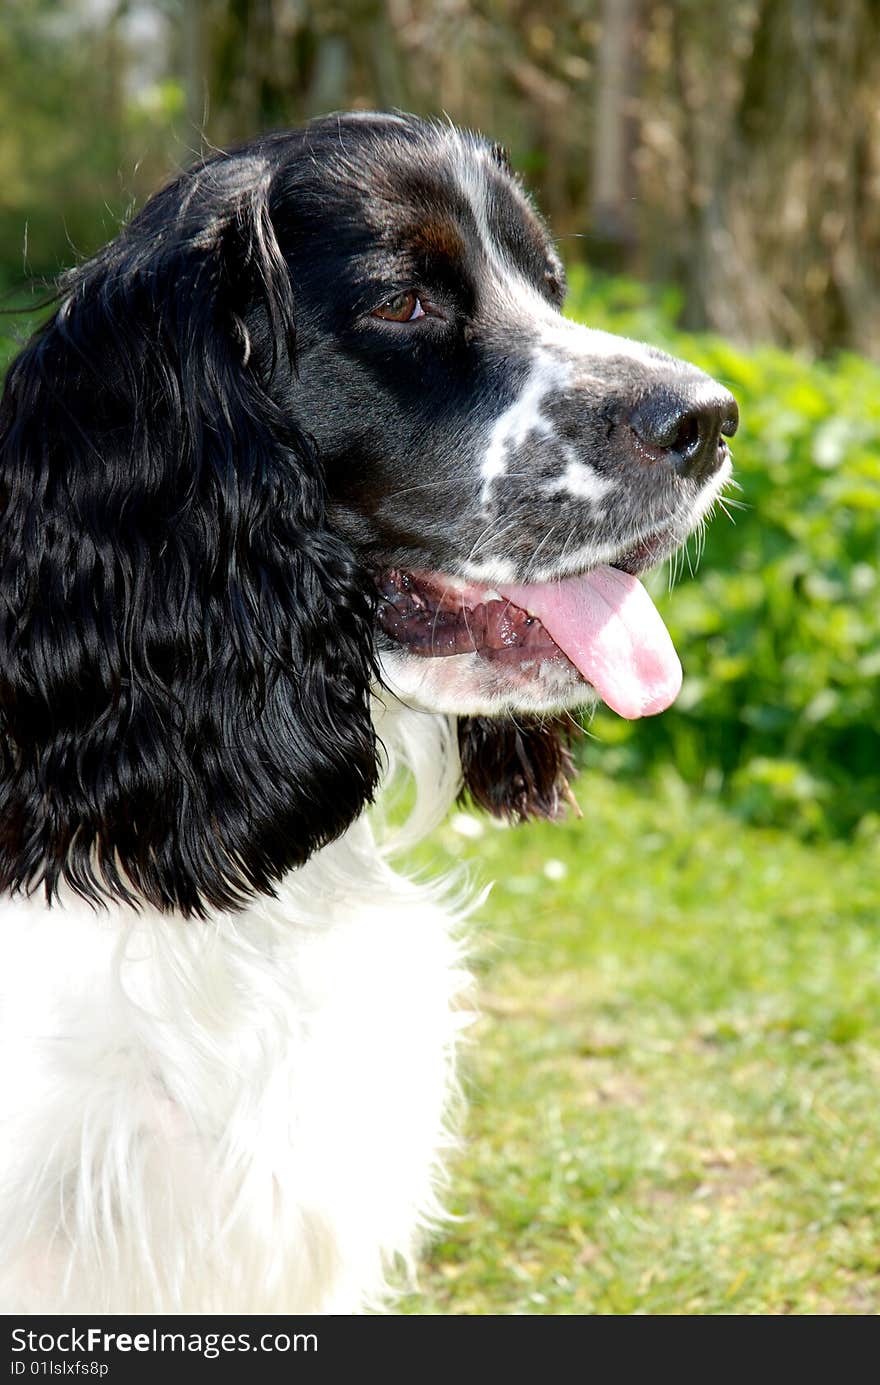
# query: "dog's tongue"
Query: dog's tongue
{"points": [[610, 629]]}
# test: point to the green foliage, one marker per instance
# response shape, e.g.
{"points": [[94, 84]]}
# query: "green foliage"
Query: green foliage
{"points": [[779, 632], [80, 138]]}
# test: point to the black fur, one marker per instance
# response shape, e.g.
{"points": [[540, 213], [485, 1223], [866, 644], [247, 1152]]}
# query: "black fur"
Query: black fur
{"points": [[185, 643], [517, 769]]}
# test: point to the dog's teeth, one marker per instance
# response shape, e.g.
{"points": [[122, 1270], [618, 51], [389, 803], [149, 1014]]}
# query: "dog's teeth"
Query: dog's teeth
{"points": [[492, 596]]}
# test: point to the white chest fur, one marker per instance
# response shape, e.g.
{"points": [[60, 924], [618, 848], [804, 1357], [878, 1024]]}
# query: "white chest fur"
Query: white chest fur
{"points": [[244, 1115]]}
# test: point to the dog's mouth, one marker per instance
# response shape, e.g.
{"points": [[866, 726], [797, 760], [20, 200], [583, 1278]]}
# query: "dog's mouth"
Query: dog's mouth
{"points": [[602, 623]]}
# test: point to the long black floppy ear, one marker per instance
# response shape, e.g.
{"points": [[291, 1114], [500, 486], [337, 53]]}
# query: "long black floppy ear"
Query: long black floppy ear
{"points": [[518, 768], [185, 645]]}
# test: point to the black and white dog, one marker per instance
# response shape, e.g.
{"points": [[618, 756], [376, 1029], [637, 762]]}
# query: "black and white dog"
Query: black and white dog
{"points": [[307, 479]]}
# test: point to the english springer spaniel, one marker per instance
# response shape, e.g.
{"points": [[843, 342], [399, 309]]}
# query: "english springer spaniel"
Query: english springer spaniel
{"points": [[306, 481]]}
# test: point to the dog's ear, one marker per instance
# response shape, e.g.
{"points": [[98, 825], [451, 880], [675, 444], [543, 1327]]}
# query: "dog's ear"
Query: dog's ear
{"points": [[185, 643], [517, 768]]}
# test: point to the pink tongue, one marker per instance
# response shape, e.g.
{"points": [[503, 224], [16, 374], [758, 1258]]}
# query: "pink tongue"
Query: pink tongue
{"points": [[610, 629]]}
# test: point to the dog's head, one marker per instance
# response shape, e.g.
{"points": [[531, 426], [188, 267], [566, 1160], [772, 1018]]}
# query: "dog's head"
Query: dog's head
{"points": [[315, 418]]}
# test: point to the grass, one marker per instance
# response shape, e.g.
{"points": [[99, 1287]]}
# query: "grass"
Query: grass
{"points": [[673, 1086]]}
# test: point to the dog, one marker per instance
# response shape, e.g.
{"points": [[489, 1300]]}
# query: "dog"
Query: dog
{"points": [[306, 482]]}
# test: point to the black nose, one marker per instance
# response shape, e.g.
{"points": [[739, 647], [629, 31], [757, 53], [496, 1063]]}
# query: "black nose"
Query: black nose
{"points": [[685, 428]]}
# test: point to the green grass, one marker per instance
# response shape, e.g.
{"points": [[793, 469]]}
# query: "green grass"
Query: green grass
{"points": [[673, 1090]]}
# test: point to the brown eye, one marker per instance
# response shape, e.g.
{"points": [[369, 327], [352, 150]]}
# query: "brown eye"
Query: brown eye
{"points": [[403, 307]]}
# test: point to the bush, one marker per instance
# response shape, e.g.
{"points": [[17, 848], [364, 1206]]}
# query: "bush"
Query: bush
{"points": [[779, 633]]}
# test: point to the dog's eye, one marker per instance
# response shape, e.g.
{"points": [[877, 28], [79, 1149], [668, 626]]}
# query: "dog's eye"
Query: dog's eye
{"points": [[403, 307]]}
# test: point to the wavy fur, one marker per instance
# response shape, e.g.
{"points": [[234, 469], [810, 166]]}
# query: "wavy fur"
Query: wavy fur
{"points": [[179, 625]]}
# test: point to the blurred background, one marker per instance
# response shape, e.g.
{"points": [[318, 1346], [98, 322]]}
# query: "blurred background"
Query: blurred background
{"points": [[732, 149], [671, 1107]]}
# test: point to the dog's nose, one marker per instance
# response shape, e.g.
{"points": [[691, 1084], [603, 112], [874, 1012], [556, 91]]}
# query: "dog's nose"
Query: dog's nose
{"points": [[685, 428]]}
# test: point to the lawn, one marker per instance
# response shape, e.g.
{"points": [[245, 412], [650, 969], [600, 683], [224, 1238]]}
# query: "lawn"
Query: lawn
{"points": [[673, 1088]]}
